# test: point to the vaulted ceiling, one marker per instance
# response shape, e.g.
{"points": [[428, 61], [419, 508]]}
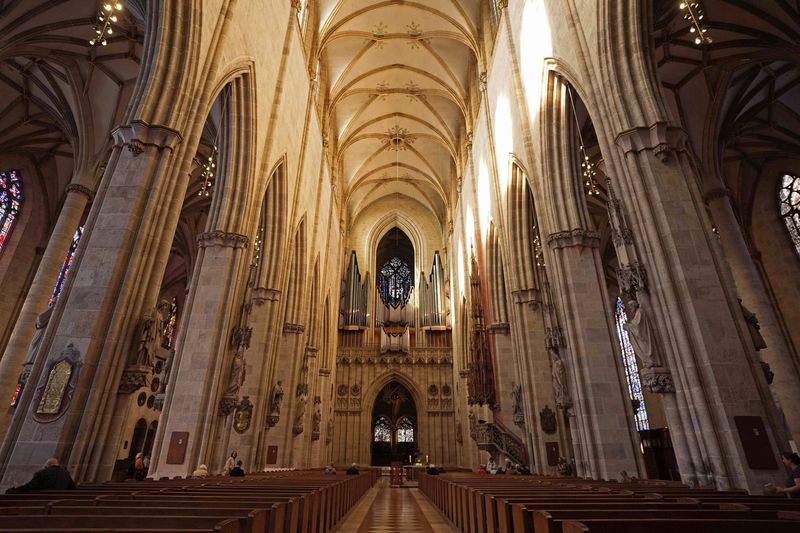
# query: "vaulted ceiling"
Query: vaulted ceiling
{"points": [[398, 80], [738, 97]]}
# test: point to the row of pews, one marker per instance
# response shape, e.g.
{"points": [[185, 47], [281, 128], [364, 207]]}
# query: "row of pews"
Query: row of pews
{"points": [[533, 504], [280, 502]]}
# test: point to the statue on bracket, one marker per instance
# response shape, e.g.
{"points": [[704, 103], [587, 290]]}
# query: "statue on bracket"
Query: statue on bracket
{"points": [[642, 337], [559, 375], [753, 327], [298, 417]]}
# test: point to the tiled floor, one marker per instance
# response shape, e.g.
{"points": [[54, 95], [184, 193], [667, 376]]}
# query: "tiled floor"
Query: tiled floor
{"points": [[400, 509]]}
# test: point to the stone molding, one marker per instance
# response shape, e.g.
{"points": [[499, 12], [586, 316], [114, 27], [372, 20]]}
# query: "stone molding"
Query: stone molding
{"points": [[578, 237], [210, 239], [658, 138], [293, 328], [80, 189], [262, 295], [137, 135], [532, 297], [396, 359], [500, 327]]}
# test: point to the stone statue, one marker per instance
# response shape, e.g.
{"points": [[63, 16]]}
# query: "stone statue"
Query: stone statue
{"points": [[299, 415], [162, 320], [237, 374], [559, 380], [753, 327], [276, 398], [329, 432], [316, 421], [145, 353], [640, 332]]}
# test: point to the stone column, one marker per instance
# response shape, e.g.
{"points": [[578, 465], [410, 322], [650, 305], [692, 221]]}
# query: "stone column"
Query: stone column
{"points": [[201, 368], [716, 374], [39, 293], [751, 289], [601, 432], [93, 323]]}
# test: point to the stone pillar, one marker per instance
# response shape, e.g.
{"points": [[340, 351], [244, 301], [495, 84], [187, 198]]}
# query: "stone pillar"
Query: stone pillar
{"points": [[39, 293], [751, 289], [201, 368], [603, 438], [709, 354], [92, 325]]}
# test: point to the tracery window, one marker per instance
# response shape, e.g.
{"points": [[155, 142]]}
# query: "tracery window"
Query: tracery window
{"points": [[168, 331], [789, 196], [394, 282], [631, 368], [405, 430], [10, 203], [62, 276], [382, 431]]}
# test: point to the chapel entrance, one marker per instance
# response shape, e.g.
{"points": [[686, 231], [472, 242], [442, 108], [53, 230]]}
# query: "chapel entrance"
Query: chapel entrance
{"points": [[394, 426]]}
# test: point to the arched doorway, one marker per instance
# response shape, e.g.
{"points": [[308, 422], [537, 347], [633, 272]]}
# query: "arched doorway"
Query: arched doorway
{"points": [[394, 425]]}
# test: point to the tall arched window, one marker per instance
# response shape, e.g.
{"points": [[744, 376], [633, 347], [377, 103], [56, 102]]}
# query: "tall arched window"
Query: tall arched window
{"points": [[789, 196], [168, 333], [10, 203], [62, 276], [382, 431], [394, 282], [631, 368], [405, 430]]}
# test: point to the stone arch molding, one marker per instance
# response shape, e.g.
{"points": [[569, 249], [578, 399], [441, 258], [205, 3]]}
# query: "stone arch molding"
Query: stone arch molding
{"points": [[409, 227]]}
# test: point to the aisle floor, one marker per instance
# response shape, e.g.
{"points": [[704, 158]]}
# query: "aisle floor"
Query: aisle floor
{"points": [[394, 509]]}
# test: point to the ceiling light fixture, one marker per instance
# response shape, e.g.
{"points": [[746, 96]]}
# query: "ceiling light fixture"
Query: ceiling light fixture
{"points": [[588, 167], [210, 166], [102, 27], [695, 15]]}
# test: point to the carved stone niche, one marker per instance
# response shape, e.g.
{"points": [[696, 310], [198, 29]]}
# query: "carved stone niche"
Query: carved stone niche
{"points": [[632, 278]]}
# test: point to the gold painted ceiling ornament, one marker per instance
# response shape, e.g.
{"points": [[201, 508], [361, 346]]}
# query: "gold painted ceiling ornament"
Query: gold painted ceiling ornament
{"points": [[398, 138]]}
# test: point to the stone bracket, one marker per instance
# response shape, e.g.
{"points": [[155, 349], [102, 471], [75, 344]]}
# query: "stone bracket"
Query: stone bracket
{"points": [[659, 138], [578, 237], [222, 238]]}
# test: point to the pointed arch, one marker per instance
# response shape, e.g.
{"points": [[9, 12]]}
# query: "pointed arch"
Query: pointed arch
{"points": [[497, 279], [271, 233], [297, 275]]}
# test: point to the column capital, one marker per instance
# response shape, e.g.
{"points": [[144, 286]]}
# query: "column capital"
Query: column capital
{"points": [[80, 189], [579, 237], [659, 138], [138, 135], [222, 238]]}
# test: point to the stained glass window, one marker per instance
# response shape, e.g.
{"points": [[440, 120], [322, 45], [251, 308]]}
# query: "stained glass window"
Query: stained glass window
{"points": [[62, 276], [631, 368], [168, 331], [382, 432], [394, 282], [405, 430], [10, 203], [789, 196]]}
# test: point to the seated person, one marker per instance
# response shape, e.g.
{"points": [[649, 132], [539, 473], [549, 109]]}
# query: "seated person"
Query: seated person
{"points": [[200, 471], [52, 477], [352, 471], [523, 470], [330, 470], [237, 471], [512, 470]]}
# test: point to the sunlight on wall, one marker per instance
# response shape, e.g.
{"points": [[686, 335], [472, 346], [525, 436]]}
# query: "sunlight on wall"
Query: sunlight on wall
{"points": [[535, 45], [469, 227], [484, 197], [504, 141], [460, 261]]}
